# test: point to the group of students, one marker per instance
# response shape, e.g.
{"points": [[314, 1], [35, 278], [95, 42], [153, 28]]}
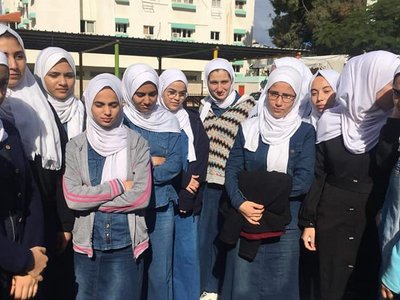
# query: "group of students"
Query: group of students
{"points": [[164, 202]]}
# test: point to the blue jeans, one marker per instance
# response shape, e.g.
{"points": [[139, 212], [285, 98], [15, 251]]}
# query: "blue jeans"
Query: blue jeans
{"points": [[211, 256], [161, 230], [108, 275], [186, 275], [273, 274]]}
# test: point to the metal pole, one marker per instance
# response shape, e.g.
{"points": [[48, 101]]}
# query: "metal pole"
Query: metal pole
{"points": [[116, 58], [159, 64], [215, 52], [80, 75]]}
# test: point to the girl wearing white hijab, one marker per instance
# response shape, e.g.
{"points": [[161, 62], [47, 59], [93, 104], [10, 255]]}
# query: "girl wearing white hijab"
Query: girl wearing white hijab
{"points": [[275, 141], [344, 232], [323, 93], [44, 141], [305, 107], [56, 72], [186, 273], [107, 183], [162, 131], [22, 257], [221, 112]]}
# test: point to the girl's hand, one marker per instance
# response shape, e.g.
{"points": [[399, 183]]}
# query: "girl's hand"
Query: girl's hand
{"points": [[308, 238], [193, 185], [251, 211], [157, 160]]}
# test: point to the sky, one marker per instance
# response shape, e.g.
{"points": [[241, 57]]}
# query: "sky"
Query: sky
{"points": [[263, 13]]}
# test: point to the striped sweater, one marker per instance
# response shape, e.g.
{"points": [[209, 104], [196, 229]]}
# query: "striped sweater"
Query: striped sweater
{"points": [[222, 132]]}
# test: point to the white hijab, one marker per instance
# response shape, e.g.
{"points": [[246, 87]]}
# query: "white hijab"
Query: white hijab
{"points": [[275, 132], [158, 119], [362, 78], [110, 143], [332, 77], [167, 78], [28, 109], [3, 133], [218, 64], [70, 110], [305, 106]]}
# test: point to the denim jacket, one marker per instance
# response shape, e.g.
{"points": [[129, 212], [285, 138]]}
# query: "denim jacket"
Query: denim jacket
{"points": [[168, 145], [300, 164], [110, 230]]}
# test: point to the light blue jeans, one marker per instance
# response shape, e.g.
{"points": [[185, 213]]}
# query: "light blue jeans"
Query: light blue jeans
{"points": [[161, 230], [212, 262], [108, 275], [186, 265]]}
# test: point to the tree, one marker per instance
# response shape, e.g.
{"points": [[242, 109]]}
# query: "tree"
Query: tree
{"points": [[289, 28], [342, 26]]}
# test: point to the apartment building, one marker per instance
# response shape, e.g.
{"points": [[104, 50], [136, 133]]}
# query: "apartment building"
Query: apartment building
{"points": [[209, 21]]}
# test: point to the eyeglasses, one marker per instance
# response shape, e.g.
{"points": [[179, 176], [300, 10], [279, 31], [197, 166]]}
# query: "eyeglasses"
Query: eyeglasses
{"points": [[173, 93], [396, 93], [286, 98]]}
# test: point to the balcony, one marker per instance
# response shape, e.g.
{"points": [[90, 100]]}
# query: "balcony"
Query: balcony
{"points": [[183, 6], [240, 13]]}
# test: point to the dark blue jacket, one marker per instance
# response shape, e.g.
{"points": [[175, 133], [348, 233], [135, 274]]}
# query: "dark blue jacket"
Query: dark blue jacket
{"points": [[187, 201], [300, 164], [21, 214]]}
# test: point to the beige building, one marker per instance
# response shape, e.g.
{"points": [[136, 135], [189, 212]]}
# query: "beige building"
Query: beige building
{"points": [[211, 21]]}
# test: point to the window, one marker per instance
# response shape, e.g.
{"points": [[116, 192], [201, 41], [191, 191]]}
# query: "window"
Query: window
{"points": [[216, 3], [87, 26], [214, 35], [236, 68], [148, 30], [183, 1], [237, 37], [122, 28], [239, 4], [181, 33]]}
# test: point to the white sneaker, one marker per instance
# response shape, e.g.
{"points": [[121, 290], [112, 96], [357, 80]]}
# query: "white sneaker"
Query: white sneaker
{"points": [[209, 296]]}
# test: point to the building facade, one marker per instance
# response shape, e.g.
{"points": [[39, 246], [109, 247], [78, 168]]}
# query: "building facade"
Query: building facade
{"points": [[210, 21]]}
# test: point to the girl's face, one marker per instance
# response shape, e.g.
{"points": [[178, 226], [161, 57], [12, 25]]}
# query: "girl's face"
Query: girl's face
{"points": [[174, 95], [396, 92], [3, 82], [16, 59], [322, 94], [280, 98], [106, 108], [60, 80], [219, 84], [145, 97]]}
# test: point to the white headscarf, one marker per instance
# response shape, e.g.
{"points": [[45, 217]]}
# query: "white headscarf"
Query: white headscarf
{"points": [[218, 64], [70, 110], [3, 133], [275, 132], [28, 108], [166, 79], [332, 77], [305, 106], [110, 143], [362, 78], [158, 119]]}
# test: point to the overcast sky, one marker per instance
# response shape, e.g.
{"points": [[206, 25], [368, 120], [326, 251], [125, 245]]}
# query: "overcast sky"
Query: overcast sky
{"points": [[263, 12]]}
